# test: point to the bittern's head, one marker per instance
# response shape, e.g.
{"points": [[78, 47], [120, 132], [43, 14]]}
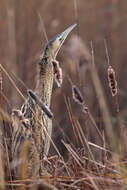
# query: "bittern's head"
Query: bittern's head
{"points": [[55, 44]]}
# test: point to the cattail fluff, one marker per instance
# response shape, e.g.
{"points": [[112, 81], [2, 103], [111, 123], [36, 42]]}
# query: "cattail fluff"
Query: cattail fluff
{"points": [[57, 73], [112, 80], [77, 96], [20, 116], [40, 104]]}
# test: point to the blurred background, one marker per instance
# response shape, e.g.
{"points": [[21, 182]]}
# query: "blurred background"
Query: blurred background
{"points": [[22, 41]]}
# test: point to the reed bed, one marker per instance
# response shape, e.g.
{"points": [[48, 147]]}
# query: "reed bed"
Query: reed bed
{"points": [[82, 169]]}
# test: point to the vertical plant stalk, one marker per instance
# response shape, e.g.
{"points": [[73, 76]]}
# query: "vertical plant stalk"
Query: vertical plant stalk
{"points": [[8, 163], [12, 43], [112, 79], [102, 103], [2, 182], [1, 87]]}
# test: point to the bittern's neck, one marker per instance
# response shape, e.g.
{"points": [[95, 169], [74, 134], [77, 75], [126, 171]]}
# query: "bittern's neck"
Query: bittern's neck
{"points": [[45, 79]]}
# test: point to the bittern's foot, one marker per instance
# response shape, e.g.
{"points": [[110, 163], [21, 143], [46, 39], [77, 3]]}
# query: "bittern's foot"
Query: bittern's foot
{"points": [[57, 72]]}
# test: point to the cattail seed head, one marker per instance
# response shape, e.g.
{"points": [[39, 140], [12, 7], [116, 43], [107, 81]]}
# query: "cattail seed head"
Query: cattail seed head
{"points": [[85, 109], [32, 95], [59, 77], [42, 105], [19, 115], [57, 73], [55, 65], [77, 95], [112, 80]]}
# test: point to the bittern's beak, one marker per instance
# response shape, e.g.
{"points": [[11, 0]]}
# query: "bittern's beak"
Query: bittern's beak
{"points": [[62, 36], [55, 44]]}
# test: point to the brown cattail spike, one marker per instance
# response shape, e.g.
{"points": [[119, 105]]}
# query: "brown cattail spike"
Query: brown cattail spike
{"points": [[112, 80], [77, 95], [57, 73], [41, 104]]}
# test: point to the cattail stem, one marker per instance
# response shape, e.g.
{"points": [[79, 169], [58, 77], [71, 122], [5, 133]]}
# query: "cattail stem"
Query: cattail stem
{"points": [[107, 54], [112, 78], [102, 103]]}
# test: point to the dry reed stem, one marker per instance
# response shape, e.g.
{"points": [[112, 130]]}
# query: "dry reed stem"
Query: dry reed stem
{"points": [[1, 87], [43, 27], [86, 142], [104, 152], [12, 81], [95, 125], [19, 80], [93, 182], [99, 147], [2, 181], [24, 160], [5, 116], [114, 171], [73, 153], [72, 119], [33, 184], [8, 163]]}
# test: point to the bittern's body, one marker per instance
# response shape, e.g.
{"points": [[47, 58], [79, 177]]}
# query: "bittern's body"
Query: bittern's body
{"points": [[38, 119]]}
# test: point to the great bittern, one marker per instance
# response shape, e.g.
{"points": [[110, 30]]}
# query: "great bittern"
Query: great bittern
{"points": [[39, 120]]}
